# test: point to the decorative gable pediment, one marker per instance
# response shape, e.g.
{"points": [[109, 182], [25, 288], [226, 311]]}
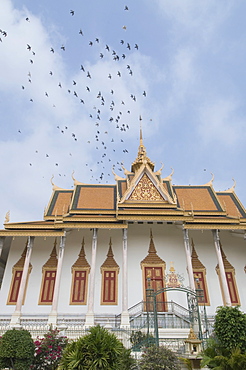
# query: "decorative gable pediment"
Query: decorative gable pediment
{"points": [[145, 190], [146, 187]]}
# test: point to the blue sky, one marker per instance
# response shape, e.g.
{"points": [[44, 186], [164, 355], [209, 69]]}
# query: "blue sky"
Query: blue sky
{"points": [[181, 66]]}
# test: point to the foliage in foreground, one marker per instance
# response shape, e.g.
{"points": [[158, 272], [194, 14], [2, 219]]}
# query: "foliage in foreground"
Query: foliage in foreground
{"points": [[16, 349], [227, 349], [157, 358], [230, 328], [99, 349], [48, 350], [141, 340]]}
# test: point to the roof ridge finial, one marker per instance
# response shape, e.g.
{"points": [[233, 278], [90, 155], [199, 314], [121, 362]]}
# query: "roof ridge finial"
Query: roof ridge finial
{"points": [[141, 131], [232, 188]]}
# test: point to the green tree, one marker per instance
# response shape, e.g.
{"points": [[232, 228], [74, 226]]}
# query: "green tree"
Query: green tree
{"points": [[48, 350], [99, 349], [158, 358], [226, 349], [16, 349], [230, 328]]}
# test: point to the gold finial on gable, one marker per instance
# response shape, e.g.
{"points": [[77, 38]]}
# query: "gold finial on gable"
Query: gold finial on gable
{"points": [[231, 190], [55, 187], [160, 170], [117, 177], [210, 183], [169, 177], [7, 217]]}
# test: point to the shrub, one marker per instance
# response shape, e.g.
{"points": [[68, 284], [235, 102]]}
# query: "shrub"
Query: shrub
{"points": [[48, 350], [226, 349], [16, 349], [99, 349], [157, 358]]}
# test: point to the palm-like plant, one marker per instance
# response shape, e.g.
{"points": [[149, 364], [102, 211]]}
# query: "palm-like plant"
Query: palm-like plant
{"points": [[219, 358], [99, 349]]}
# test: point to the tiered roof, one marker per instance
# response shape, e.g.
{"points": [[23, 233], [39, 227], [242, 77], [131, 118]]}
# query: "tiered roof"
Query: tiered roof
{"points": [[141, 196]]}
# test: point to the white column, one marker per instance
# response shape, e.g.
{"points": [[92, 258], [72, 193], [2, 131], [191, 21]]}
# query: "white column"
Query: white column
{"points": [[1, 244], [125, 323], [224, 286], [53, 314], [15, 319], [188, 259], [89, 320]]}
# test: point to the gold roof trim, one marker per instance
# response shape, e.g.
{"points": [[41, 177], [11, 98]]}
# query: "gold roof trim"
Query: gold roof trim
{"points": [[31, 233], [214, 227], [110, 261]]}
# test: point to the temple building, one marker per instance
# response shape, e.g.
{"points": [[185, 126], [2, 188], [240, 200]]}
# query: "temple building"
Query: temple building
{"points": [[101, 249]]}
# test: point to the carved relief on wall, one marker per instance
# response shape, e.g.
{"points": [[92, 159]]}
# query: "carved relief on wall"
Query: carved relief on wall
{"points": [[145, 190], [172, 278]]}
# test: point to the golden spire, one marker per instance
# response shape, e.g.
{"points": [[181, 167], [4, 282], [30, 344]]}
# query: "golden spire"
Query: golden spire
{"points": [[142, 155]]}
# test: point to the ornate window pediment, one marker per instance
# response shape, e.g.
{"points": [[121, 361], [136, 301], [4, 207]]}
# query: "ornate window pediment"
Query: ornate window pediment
{"points": [[199, 273], [16, 279], [109, 271], [80, 273], [230, 279], [48, 278]]}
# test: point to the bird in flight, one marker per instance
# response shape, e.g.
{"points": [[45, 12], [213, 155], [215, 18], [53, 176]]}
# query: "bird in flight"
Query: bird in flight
{"points": [[72, 12]]}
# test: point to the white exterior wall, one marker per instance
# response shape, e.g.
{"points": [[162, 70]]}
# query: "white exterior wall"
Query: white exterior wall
{"points": [[169, 243]]}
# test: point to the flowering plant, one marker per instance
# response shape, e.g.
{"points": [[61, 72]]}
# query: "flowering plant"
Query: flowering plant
{"points": [[48, 350]]}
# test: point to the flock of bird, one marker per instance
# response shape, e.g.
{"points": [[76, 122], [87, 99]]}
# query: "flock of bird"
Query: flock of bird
{"points": [[109, 111]]}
